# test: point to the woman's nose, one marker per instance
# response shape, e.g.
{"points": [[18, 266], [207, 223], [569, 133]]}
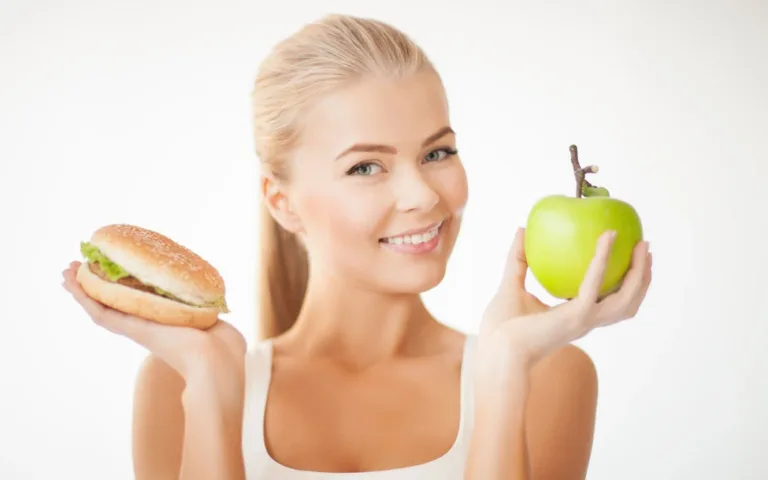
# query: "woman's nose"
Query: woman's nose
{"points": [[414, 192]]}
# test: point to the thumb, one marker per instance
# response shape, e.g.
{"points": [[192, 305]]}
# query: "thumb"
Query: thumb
{"points": [[516, 268]]}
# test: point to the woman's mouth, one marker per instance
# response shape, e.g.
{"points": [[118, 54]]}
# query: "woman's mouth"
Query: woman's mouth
{"points": [[424, 241]]}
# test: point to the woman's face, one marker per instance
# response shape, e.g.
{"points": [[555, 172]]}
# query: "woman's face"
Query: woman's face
{"points": [[376, 186]]}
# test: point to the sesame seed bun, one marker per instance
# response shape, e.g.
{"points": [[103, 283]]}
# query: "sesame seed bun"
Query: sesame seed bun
{"points": [[154, 260]]}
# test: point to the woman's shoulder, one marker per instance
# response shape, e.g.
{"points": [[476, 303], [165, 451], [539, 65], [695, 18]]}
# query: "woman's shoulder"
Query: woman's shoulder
{"points": [[569, 362]]}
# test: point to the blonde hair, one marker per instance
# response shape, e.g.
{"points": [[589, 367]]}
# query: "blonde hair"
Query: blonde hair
{"points": [[320, 57]]}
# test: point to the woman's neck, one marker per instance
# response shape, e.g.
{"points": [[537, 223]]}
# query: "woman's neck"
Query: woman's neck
{"points": [[359, 327]]}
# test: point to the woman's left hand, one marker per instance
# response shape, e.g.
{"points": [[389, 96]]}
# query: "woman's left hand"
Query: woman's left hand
{"points": [[515, 301], [518, 324]]}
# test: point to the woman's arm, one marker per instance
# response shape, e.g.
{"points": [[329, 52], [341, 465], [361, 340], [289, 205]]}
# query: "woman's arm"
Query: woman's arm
{"points": [[535, 424], [499, 448], [158, 421], [185, 431], [535, 393], [213, 427], [210, 364]]}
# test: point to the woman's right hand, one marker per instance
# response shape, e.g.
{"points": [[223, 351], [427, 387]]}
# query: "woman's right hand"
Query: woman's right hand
{"points": [[215, 354]]}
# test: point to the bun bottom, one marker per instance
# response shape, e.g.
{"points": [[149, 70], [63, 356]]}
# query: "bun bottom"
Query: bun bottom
{"points": [[144, 304]]}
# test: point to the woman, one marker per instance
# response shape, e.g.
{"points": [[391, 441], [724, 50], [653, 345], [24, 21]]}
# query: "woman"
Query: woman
{"points": [[363, 194]]}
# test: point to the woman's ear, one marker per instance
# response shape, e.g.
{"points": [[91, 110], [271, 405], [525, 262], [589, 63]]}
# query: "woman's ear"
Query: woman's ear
{"points": [[275, 197]]}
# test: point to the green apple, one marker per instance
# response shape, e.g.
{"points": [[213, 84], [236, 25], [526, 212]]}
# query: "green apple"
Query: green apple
{"points": [[562, 232]]}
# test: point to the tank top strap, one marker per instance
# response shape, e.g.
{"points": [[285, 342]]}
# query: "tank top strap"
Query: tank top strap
{"points": [[467, 390], [258, 373]]}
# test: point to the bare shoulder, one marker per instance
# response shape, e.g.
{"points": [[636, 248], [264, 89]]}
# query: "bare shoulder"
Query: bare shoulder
{"points": [[561, 414], [570, 364], [158, 421]]}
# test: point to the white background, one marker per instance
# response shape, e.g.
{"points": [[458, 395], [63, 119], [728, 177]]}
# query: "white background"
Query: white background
{"points": [[139, 112]]}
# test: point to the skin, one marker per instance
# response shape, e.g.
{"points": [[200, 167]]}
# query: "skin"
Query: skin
{"points": [[367, 379]]}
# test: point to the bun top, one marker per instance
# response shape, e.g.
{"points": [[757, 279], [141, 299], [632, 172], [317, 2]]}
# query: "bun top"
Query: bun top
{"points": [[156, 260]]}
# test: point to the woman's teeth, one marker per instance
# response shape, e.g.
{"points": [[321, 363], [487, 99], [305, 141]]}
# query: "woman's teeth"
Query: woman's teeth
{"points": [[413, 239]]}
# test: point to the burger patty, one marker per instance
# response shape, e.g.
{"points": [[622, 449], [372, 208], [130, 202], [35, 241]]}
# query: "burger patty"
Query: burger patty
{"points": [[131, 282]]}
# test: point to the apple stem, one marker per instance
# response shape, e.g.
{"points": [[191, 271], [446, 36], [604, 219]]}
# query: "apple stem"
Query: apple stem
{"points": [[580, 172]]}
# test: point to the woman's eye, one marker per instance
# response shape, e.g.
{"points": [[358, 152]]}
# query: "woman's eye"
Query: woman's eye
{"points": [[364, 169], [440, 154]]}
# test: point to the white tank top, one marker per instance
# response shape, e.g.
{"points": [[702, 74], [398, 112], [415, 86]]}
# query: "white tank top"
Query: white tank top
{"points": [[259, 465]]}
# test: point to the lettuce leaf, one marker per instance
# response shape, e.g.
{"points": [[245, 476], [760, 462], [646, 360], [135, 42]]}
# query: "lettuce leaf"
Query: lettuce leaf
{"points": [[113, 271]]}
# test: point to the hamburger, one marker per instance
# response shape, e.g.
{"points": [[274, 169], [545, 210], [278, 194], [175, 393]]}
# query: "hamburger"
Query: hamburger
{"points": [[148, 275]]}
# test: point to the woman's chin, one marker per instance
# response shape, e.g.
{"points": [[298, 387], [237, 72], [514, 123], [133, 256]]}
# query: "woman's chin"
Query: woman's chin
{"points": [[416, 279]]}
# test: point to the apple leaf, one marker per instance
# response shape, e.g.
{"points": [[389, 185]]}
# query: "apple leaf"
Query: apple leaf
{"points": [[594, 191]]}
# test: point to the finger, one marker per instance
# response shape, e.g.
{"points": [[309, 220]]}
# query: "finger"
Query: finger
{"points": [[619, 305], [640, 297], [633, 280], [70, 273], [99, 313], [72, 267], [516, 268], [589, 290], [137, 329]]}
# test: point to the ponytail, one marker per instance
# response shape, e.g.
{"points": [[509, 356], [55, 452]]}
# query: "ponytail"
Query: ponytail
{"points": [[284, 271]]}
